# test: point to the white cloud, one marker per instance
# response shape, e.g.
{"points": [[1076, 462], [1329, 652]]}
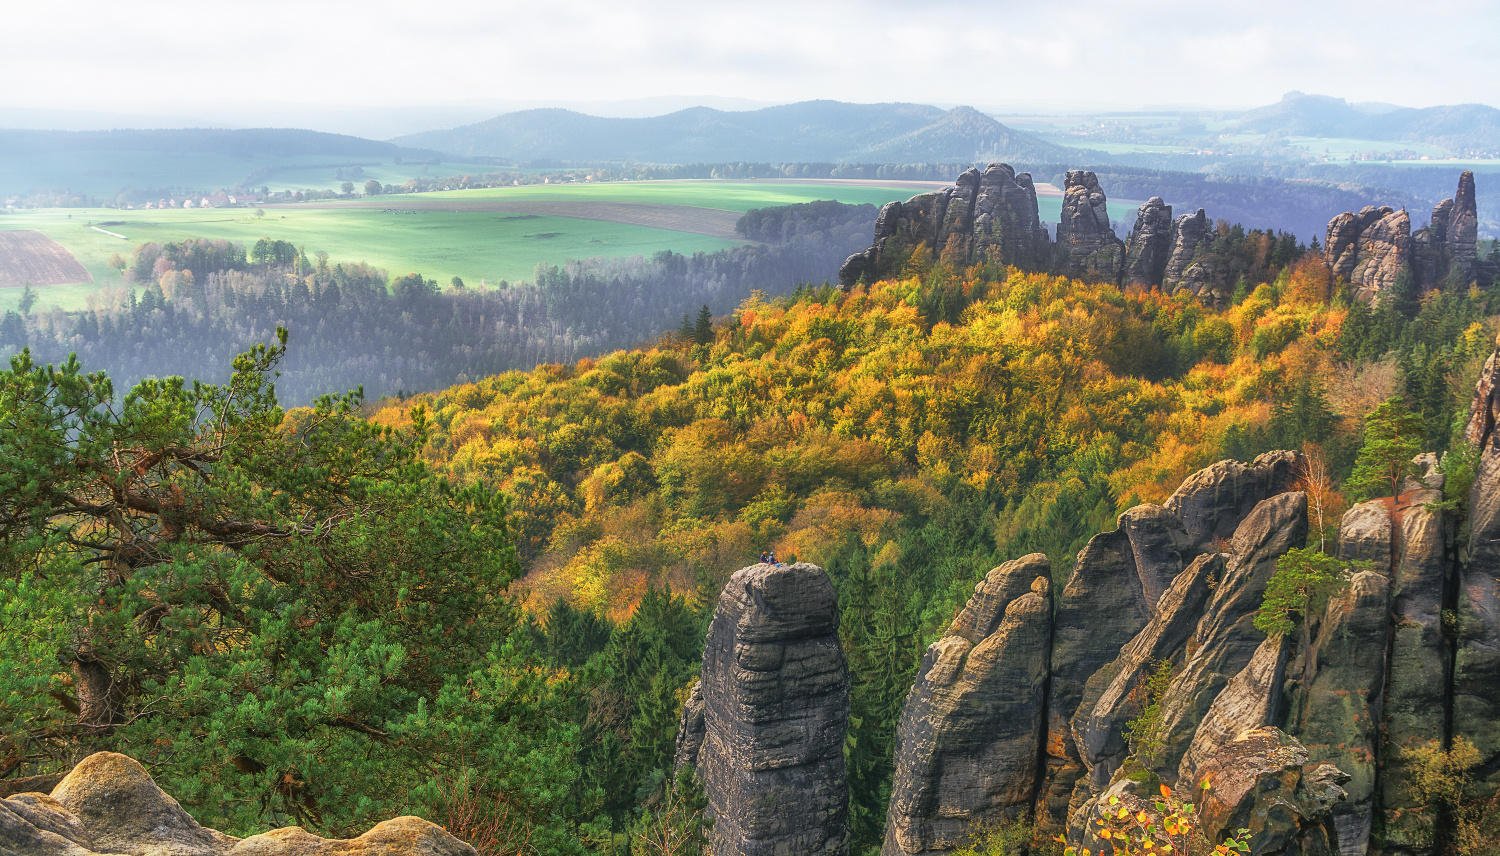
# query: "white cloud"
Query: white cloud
{"points": [[176, 55]]}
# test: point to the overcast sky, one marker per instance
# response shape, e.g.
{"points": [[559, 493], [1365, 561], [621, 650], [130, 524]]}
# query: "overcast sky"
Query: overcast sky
{"points": [[266, 57]]}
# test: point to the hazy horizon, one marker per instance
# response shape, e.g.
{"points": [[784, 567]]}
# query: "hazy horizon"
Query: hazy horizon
{"points": [[383, 68]]}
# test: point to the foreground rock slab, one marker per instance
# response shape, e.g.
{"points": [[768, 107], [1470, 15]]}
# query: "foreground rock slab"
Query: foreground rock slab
{"points": [[109, 806]]}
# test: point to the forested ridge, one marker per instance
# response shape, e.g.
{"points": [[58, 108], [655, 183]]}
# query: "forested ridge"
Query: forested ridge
{"points": [[562, 532]]}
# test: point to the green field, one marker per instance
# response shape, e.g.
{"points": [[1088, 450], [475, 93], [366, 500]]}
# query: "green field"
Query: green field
{"points": [[473, 245]]}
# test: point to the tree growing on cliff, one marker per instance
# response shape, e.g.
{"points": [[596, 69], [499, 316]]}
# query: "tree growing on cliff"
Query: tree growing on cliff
{"points": [[280, 614], [1304, 581], [1393, 436]]}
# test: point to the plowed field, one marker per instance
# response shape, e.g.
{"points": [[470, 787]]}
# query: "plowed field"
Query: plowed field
{"points": [[28, 256]]}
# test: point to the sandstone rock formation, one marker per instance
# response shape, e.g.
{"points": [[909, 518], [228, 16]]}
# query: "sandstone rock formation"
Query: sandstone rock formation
{"points": [[1263, 782], [108, 805], [1463, 228], [983, 216], [966, 754], [1369, 249], [1087, 246], [1251, 700], [1150, 244], [1212, 502], [1476, 666], [775, 706], [1338, 720], [1225, 638], [1192, 236]]}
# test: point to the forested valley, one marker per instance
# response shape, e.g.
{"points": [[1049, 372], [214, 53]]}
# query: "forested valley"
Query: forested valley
{"points": [[486, 603]]}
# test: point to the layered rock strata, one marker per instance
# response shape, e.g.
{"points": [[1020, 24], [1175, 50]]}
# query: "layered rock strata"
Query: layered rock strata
{"points": [[1087, 246], [968, 734], [109, 806], [1192, 236], [775, 709]]}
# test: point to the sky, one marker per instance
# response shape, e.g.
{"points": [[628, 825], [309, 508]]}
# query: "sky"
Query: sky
{"points": [[305, 62]]}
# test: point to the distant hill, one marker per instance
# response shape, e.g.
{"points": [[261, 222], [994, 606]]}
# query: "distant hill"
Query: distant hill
{"points": [[1459, 128], [809, 131], [247, 142]]}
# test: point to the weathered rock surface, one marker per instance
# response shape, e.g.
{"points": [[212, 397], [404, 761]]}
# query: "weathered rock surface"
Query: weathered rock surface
{"points": [[1087, 246], [1213, 501], [775, 691], [1384, 250], [1251, 700], [1113, 575], [1365, 535], [1463, 228], [1192, 236], [1476, 667], [1343, 708], [690, 730], [1341, 244], [989, 216], [966, 753], [1150, 244], [1112, 697], [1225, 639], [110, 806], [1264, 782]]}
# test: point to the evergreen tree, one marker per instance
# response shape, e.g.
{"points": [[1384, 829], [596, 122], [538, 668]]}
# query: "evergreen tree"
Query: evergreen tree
{"points": [[1393, 436], [703, 331]]}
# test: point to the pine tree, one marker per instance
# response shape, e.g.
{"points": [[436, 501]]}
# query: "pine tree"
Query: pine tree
{"points": [[1393, 437], [703, 331]]}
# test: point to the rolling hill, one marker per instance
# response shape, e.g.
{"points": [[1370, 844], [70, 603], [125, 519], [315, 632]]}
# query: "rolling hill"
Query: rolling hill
{"points": [[1461, 128], [809, 131]]}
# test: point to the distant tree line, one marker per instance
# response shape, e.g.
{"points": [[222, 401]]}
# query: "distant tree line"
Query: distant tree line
{"points": [[204, 301]]}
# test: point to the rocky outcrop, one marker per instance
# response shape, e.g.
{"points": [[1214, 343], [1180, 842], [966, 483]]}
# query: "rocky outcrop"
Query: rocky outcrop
{"points": [[1121, 574], [1341, 248], [988, 216], [1251, 700], [1087, 246], [690, 730], [1462, 229], [1476, 666], [1264, 783], [1225, 639], [775, 693], [1099, 725], [1384, 251], [1212, 502], [966, 752], [1338, 719], [1150, 244], [109, 805], [1192, 236]]}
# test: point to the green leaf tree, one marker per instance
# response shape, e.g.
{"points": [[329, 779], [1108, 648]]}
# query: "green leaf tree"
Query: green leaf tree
{"points": [[1393, 436], [1304, 581], [284, 616]]}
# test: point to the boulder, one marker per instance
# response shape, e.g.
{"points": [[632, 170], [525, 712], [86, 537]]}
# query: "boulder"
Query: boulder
{"points": [[1225, 639], [775, 691], [1264, 782], [1087, 245], [108, 805], [1150, 244], [1213, 501], [968, 738], [1338, 719]]}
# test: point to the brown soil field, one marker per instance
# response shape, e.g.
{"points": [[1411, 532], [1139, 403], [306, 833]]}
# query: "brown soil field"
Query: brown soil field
{"points": [[714, 222], [1042, 188], [28, 256]]}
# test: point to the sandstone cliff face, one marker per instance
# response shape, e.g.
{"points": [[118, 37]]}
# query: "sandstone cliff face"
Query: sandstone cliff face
{"points": [[1150, 244], [1463, 228], [967, 742], [775, 694], [1214, 501], [1384, 251], [1476, 667], [108, 805], [1087, 247], [984, 216]]}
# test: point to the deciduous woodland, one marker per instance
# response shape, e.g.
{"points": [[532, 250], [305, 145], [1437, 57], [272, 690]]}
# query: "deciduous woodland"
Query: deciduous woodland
{"points": [[487, 604]]}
